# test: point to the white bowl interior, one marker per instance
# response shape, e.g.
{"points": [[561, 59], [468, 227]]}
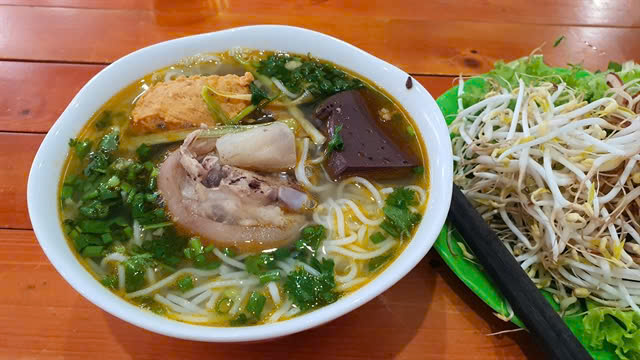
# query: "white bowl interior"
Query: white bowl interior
{"points": [[42, 192]]}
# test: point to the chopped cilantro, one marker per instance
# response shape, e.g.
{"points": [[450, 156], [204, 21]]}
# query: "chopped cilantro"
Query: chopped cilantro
{"points": [[310, 238], [81, 148], [257, 94], [399, 220], [308, 291], [239, 320], [104, 120], [110, 281], [320, 79], [134, 269]]}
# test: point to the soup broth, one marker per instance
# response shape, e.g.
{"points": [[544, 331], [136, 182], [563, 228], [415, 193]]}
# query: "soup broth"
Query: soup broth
{"points": [[244, 187]]}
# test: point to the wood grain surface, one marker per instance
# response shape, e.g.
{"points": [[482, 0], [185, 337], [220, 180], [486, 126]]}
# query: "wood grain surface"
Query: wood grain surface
{"points": [[421, 46], [50, 48]]}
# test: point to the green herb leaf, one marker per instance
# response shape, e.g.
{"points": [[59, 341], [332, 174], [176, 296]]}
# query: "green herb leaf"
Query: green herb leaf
{"points": [[81, 148], [418, 170], [336, 143], [310, 238], [614, 66], [558, 41], [109, 142], [257, 94], [134, 269], [320, 79], [399, 220]]}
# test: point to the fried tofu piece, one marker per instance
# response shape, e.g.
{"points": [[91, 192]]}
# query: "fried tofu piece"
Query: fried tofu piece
{"points": [[178, 104]]}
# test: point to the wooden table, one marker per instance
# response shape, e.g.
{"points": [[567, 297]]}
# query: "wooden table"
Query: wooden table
{"points": [[50, 48]]}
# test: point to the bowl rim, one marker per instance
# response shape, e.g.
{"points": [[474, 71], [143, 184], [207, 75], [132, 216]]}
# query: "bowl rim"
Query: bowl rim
{"points": [[440, 187]]}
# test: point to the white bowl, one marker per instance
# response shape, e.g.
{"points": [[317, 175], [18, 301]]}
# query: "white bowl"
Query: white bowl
{"points": [[42, 191]]}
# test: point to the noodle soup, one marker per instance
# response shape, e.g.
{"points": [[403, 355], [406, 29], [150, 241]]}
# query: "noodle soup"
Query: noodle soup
{"points": [[245, 187]]}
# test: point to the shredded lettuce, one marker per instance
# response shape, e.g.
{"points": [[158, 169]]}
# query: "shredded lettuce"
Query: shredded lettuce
{"points": [[605, 327], [532, 69]]}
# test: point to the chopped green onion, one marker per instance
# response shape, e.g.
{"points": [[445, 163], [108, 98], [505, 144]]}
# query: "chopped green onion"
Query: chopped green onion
{"points": [[157, 226], [256, 304], [185, 284], [106, 239], [144, 152], [411, 131], [224, 305], [269, 276], [209, 248], [196, 245], [336, 143], [418, 170], [377, 262], [239, 320], [94, 226], [92, 251], [110, 281], [377, 238], [229, 252], [128, 231], [214, 107], [113, 181], [67, 192]]}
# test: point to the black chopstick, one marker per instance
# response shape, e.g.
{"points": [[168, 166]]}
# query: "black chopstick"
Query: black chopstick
{"points": [[523, 296]]}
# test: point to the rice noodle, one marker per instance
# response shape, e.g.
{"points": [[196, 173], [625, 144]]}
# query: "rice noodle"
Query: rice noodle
{"points": [[274, 292], [227, 260], [283, 309], [121, 278], [384, 247], [168, 280]]}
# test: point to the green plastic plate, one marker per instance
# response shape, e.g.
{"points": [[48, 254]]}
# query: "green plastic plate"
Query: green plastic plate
{"points": [[471, 273]]}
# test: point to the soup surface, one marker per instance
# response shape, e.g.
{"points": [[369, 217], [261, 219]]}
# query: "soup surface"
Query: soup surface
{"points": [[243, 187]]}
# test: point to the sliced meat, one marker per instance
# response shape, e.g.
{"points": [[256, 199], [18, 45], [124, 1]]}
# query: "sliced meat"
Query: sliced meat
{"points": [[368, 151], [178, 104], [266, 148], [228, 206]]}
